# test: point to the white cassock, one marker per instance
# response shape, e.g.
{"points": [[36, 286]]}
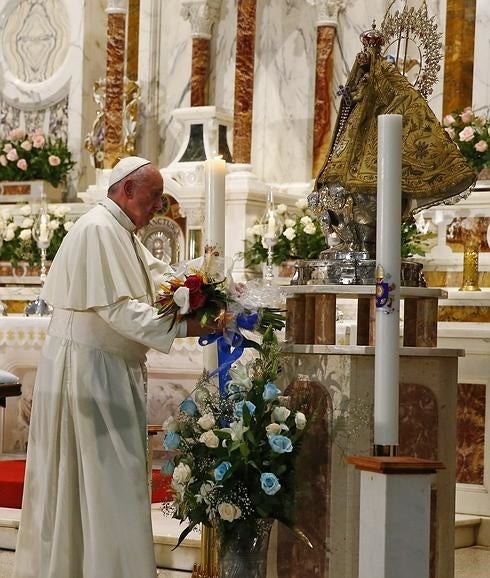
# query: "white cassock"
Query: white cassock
{"points": [[86, 510]]}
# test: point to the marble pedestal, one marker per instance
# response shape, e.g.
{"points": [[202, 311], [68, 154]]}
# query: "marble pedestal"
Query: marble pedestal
{"points": [[340, 382]]}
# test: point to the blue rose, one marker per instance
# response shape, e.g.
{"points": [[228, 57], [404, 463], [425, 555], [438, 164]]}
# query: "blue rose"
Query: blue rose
{"points": [[280, 444], [189, 407], [171, 440], [239, 408], [269, 483], [168, 467], [220, 471], [271, 391]]}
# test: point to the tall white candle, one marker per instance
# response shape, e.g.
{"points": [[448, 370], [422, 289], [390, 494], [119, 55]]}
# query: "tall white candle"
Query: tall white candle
{"points": [[214, 192], [214, 229], [43, 229], [387, 344]]}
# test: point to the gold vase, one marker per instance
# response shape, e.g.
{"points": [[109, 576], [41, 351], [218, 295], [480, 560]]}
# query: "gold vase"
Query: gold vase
{"points": [[470, 266]]}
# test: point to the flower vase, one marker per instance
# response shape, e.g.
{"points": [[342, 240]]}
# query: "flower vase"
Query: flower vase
{"points": [[243, 550]]}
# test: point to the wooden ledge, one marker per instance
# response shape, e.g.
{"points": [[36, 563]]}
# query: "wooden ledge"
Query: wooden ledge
{"points": [[395, 465], [154, 429]]}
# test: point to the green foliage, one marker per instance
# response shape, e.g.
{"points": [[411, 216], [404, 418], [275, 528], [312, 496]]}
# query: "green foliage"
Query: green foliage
{"points": [[413, 242]]}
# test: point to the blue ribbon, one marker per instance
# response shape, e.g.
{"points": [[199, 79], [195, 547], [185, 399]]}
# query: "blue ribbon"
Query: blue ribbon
{"points": [[230, 347]]}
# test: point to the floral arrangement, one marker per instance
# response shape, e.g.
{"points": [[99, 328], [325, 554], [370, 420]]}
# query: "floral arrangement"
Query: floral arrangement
{"points": [[233, 462], [195, 292], [25, 157], [18, 243], [472, 135], [299, 236], [414, 238]]}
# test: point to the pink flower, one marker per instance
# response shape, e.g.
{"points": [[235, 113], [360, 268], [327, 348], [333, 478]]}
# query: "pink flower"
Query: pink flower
{"points": [[467, 115], [8, 147], [22, 164], [26, 145], [38, 140], [448, 120], [481, 146], [466, 134], [54, 160], [17, 134], [450, 131], [12, 155], [3, 160]]}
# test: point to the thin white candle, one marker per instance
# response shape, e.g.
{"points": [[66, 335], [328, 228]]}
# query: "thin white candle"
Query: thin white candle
{"points": [[43, 229], [214, 192], [387, 344]]}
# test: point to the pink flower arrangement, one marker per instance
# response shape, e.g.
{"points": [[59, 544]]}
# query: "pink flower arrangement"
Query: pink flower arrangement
{"points": [[26, 157], [471, 132]]}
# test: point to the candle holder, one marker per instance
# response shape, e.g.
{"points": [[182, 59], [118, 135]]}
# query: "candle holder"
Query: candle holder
{"points": [[470, 264], [42, 234], [271, 230]]}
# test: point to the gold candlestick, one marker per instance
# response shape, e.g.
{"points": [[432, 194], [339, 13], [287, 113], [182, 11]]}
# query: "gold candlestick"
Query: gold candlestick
{"points": [[208, 568], [470, 265]]}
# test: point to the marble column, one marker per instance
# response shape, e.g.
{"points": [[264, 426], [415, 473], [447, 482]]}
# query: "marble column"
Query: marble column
{"points": [[244, 81], [459, 55], [327, 19], [133, 39], [202, 14], [114, 90]]}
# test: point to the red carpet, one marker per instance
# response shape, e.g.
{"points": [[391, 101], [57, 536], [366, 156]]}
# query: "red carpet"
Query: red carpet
{"points": [[12, 484]]}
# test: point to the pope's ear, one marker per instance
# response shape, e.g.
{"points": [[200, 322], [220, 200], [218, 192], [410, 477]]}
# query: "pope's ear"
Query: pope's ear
{"points": [[129, 189]]}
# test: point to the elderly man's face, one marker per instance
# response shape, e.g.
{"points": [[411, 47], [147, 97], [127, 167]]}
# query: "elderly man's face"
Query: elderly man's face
{"points": [[146, 199]]}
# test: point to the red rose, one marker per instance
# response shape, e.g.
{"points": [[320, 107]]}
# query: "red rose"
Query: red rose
{"points": [[197, 299], [193, 283]]}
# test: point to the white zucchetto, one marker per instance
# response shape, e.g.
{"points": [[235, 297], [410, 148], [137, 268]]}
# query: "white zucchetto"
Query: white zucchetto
{"points": [[125, 167]]}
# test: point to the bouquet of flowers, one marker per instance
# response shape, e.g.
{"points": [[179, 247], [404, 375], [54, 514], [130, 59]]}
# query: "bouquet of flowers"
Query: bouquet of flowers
{"points": [[198, 291], [299, 237], [25, 157], [233, 461], [472, 135], [17, 242]]}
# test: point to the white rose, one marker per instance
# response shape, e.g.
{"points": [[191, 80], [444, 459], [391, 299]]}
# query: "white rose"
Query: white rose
{"points": [[302, 203], [181, 298], [305, 220], [273, 429], [171, 424], [207, 421], [229, 512], [25, 210], [68, 225], [204, 491], [300, 420], [53, 224], [60, 211], [280, 414], [8, 235], [12, 226], [281, 209], [27, 223], [182, 473], [258, 230], [289, 222], [289, 233], [25, 234], [310, 229], [209, 439]]}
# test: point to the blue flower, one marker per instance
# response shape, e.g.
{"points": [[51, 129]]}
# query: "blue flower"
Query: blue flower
{"points": [[280, 444], [269, 483], [168, 467], [189, 407], [239, 408], [220, 471], [171, 440], [271, 391]]}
